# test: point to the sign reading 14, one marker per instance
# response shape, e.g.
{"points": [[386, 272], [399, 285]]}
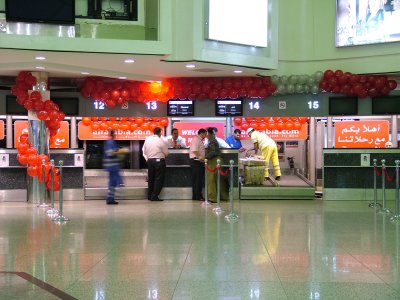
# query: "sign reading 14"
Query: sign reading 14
{"points": [[254, 105]]}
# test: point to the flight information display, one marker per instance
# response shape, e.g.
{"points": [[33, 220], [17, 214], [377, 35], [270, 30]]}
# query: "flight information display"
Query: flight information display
{"points": [[180, 108], [231, 107]]}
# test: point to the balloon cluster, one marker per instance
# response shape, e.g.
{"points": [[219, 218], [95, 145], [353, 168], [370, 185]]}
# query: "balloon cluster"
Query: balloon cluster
{"points": [[118, 92], [356, 85], [46, 111], [297, 83], [270, 123], [28, 155], [133, 123]]}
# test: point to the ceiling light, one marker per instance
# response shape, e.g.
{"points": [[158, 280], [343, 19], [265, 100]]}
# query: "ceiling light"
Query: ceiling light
{"points": [[40, 68], [238, 71], [122, 77], [40, 58], [85, 73], [129, 61], [190, 66]]}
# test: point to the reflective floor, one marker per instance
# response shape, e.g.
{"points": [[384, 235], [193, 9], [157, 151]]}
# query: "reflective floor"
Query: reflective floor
{"points": [[180, 250]]}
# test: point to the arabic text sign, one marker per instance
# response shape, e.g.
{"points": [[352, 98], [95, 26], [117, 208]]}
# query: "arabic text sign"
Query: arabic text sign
{"points": [[61, 139], [361, 134]]}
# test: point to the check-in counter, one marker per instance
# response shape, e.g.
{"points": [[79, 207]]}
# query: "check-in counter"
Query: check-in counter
{"points": [[178, 182], [13, 175], [348, 174]]}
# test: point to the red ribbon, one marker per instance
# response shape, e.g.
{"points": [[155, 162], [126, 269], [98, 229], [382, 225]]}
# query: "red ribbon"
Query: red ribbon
{"points": [[388, 177], [377, 172]]}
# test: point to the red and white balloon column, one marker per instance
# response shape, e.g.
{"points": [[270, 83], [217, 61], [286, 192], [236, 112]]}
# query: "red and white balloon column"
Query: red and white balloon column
{"points": [[44, 119]]}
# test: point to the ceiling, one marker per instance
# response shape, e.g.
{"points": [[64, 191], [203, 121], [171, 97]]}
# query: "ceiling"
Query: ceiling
{"points": [[67, 67]]}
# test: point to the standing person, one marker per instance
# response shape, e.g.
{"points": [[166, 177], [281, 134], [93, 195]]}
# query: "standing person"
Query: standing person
{"points": [[174, 140], [269, 150], [112, 164], [213, 154], [155, 151], [197, 155], [221, 142], [234, 141]]}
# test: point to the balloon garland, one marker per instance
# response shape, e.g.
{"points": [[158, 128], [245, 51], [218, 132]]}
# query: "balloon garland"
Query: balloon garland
{"points": [[47, 111], [116, 92], [270, 123], [123, 123]]}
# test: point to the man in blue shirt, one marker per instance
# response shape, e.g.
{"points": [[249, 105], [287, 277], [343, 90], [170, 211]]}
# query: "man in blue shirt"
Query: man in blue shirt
{"points": [[112, 164], [234, 141]]}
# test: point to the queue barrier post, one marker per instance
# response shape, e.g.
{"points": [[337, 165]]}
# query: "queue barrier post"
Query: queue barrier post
{"points": [[375, 204], [396, 216], [384, 210], [52, 212], [43, 204], [60, 218], [218, 210], [232, 216], [205, 203]]}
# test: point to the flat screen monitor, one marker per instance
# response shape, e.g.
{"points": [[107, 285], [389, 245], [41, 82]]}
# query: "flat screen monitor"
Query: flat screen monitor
{"points": [[386, 105], [229, 107], [13, 108], [180, 108], [366, 22], [68, 105], [343, 106], [41, 11]]}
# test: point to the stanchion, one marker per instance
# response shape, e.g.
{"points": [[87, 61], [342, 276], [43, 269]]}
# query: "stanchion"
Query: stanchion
{"points": [[205, 202], [218, 210], [52, 212], [375, 204], [384, 210], [60, 218], [43, 204], [232, 216], [396, 216]]}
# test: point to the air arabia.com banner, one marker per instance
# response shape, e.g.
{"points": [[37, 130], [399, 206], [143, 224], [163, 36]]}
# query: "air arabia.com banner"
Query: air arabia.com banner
{"points": [[281, 135]]}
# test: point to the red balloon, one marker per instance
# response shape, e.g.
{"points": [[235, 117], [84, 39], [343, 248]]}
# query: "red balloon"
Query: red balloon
{"points": [[86, 121], [115, 94], [36, 96], [244, 126], [164, 122], [31, 151], [42, 115], [328, 74], [237, 121], [23, 159], [32, 171], [32, 159], [22, 148]]}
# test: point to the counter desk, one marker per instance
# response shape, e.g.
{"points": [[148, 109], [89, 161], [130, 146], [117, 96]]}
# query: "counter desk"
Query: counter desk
{"points": [[348, 174], [178, 182]]}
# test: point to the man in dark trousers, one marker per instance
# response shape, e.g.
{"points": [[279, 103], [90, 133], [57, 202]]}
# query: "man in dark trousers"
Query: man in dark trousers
{"points": [[197, 155], [112, 164], [155, 151]]}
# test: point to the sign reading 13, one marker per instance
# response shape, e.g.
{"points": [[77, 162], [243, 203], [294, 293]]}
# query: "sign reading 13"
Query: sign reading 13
{"points": [[152, 105]]}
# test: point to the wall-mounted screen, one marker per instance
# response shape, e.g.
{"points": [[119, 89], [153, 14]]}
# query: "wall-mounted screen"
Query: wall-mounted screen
{"points": [[68, 105], [343, 106], [41, 11], [228, 107], [386, 105], [362, 22], [180, 108], [238, 22], [13, 108]]}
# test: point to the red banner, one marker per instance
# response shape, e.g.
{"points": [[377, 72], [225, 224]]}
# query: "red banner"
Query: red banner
{"points": [[87, 133], [1, 130], [281, 135], [188, 130]]}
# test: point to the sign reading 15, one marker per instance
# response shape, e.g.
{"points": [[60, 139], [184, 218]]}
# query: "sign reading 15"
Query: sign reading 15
{"points": [[152, 105], [313, 104]]}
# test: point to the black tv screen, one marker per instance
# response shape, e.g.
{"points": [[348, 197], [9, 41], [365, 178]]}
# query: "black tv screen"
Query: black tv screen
{"points": [[13, 108], [180, 108], [229, 107], [387, 105], [68, 105], [41, 11], [343, 106]]}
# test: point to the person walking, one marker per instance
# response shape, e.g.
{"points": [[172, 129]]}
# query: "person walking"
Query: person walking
{"points": [[197, 155], [234, 141], [174, 140], [213, 154], [269, 150], [154, 151], [112, 164]]}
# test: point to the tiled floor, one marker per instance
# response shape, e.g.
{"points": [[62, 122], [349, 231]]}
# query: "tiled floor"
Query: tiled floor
{"points": [[180, 250]]}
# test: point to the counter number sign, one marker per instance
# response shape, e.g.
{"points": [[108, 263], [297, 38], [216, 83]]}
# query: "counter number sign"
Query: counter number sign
{"points": [[99, 105], [313, 104], [152, 105], [254, 105]]}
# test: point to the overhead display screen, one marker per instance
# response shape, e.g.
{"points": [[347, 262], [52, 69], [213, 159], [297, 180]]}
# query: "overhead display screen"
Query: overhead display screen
{"points": [[180, 108], [231, 107]]}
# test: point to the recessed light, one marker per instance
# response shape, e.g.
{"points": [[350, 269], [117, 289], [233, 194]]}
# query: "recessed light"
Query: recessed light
{"points": [[129, 61], [40, 58], [238, 71], [40, 68], [85, 73], [190, 66], [122, 77]]}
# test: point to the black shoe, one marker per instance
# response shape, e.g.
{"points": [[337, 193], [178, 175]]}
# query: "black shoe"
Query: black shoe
{"points": [[277, 178], [111, 203], [156, 199], [267, 178]]}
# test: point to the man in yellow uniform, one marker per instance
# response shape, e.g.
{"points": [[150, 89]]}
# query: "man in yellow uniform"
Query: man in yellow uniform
{"points": [[268, 149]]}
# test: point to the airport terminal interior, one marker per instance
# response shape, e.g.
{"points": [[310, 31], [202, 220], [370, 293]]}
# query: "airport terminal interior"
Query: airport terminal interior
{"points": [[319, 219]]}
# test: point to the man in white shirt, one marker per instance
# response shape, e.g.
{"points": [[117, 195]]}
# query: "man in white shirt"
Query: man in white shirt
{"points": [[154, 151], [197, 154], [174, 140]]}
